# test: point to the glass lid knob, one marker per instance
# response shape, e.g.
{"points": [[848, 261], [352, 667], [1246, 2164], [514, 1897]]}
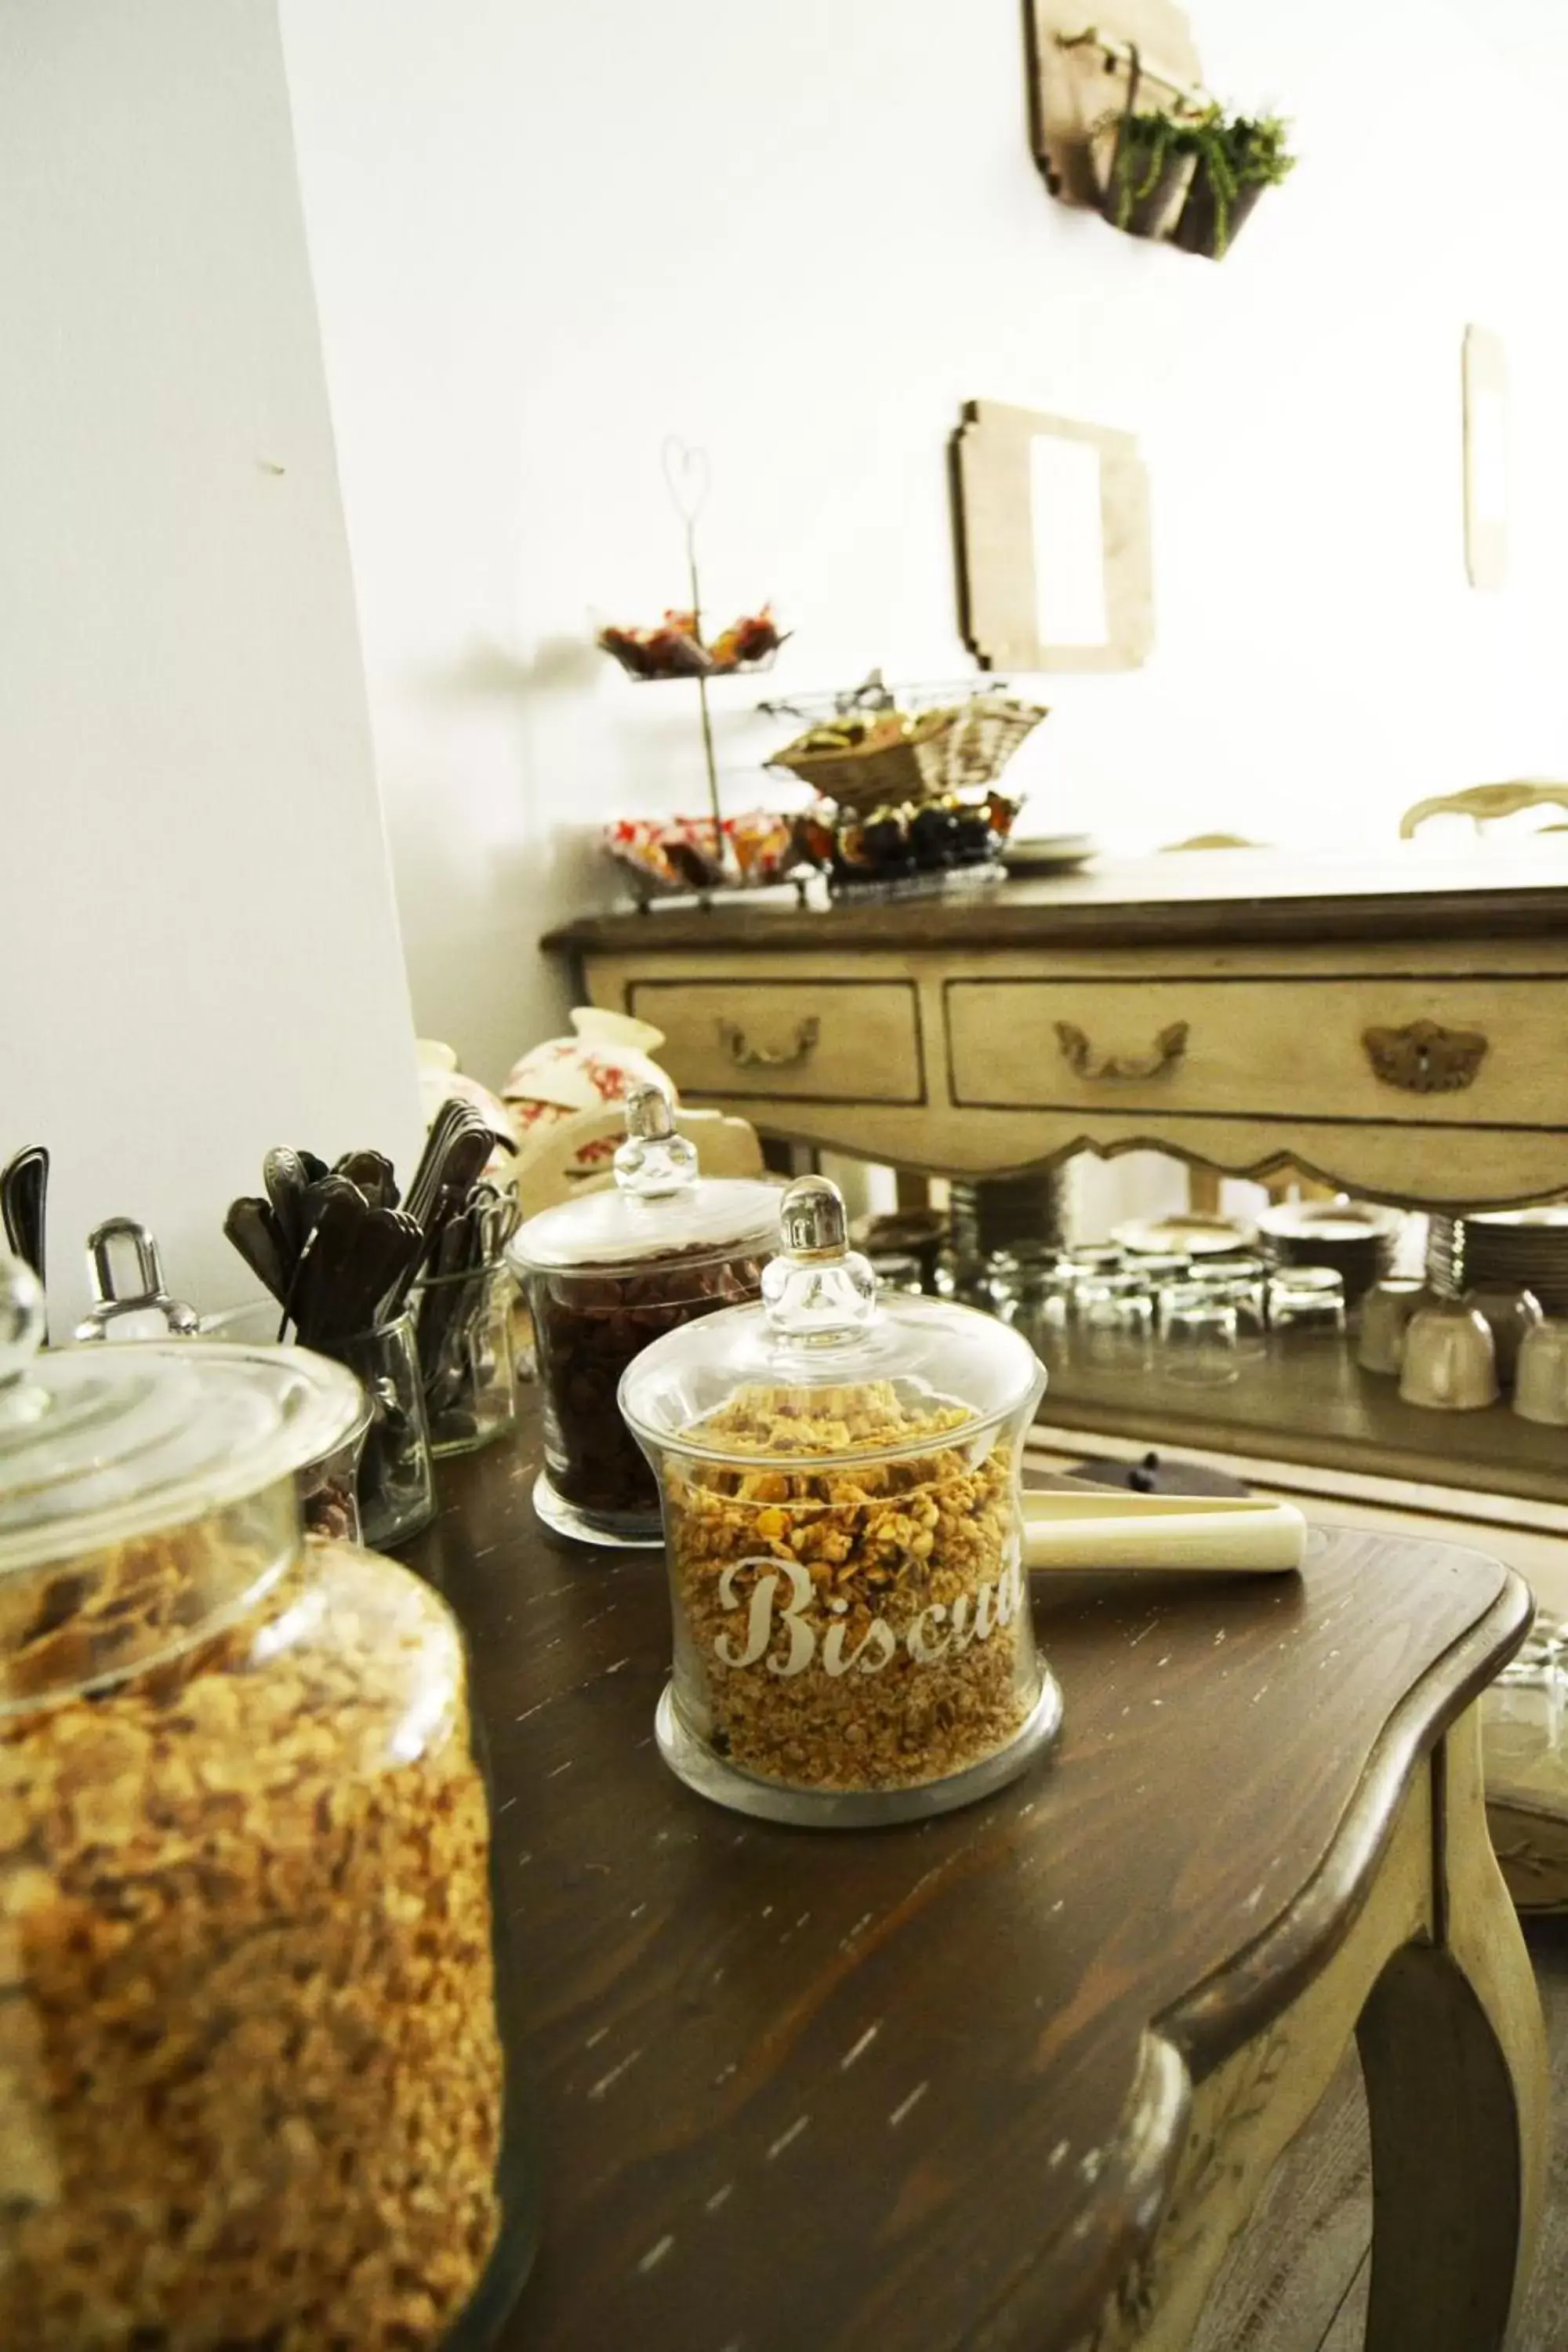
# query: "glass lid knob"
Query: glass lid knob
{"points": [[655, 1159], [817, 1291]]}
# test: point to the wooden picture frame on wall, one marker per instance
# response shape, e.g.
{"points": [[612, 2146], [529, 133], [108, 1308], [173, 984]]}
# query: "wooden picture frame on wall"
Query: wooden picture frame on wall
{"points": [[1052, 536]]}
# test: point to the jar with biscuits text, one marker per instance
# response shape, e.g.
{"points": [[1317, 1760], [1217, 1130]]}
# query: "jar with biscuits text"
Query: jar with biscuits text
{"points": [[841, 1474]]}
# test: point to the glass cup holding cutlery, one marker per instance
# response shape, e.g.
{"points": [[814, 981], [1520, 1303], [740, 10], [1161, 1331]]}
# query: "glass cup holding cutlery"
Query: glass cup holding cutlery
{"points": [[463, 1326], [396, 1474]]}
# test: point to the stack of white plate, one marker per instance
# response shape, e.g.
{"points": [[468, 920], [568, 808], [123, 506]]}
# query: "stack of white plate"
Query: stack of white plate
{"points": [[1356, 1239], [1505, 1249], [1185, 1233]]}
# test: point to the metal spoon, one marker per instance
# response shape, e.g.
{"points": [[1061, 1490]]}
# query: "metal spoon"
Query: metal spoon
{"points": [[373, 1263], [24, 1188], [372, 1172], [454, 1117], [254, 1229], [24, 1195], [283, 1174], [338, 1212]]}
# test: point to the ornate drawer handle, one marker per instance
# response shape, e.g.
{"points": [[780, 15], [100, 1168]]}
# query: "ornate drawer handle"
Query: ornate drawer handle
{"points": [[1425, 1058], [1167, 1051], [1485, 804], [746, 1057]]}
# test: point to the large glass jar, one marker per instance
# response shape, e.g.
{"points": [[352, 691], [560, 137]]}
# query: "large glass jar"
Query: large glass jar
{"points": [[605, 1274], [841, 1481], [254, 2087]]}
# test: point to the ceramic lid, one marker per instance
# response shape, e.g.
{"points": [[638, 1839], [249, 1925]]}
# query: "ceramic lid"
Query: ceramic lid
{"points": [[657, 1207], [101, 1444], [822, 1324]]}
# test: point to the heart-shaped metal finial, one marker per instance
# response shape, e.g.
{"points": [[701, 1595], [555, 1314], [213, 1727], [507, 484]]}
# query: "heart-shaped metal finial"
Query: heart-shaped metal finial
{"points": [[687, 472]]}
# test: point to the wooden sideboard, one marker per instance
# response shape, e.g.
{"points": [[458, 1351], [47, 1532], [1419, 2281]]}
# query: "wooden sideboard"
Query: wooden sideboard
{"points": [[1396, 1026]]}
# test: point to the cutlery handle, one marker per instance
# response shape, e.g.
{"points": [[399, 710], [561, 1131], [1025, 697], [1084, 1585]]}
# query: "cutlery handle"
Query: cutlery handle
{"points": [[1066, 1533]]}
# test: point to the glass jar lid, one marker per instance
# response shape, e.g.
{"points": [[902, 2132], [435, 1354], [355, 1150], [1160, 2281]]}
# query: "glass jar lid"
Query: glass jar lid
{"points": [[823, 1325], [657, 1207], [100, 1445]]}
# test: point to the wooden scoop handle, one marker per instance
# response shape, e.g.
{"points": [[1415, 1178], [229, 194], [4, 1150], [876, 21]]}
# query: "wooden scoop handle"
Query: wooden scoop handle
{"points": [[1231, 1536]]}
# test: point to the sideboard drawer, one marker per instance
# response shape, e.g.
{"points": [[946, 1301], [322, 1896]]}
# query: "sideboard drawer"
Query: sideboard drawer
{"points": [[1484, 1050], [817, 1040]]}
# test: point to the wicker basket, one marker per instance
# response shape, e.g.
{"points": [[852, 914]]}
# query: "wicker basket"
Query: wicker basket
{"points": [[944, 752]]}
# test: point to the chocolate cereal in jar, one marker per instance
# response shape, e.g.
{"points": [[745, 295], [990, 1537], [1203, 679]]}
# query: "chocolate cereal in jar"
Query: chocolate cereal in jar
{"points": [[604, 1276], [840, 1480]]}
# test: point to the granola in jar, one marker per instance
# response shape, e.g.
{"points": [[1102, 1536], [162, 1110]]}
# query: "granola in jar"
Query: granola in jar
{"points": [[839, 1472], [251, 2085], [855, 1627], [253, 2080]]}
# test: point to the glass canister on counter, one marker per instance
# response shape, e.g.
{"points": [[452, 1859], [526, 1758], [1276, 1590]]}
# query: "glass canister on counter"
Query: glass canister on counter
{"points": [[463, 1331], [605, 1274], [254, 2021], [328, 1486], [840, 1478]]}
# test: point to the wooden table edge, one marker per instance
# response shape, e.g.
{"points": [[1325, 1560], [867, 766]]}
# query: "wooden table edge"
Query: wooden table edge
{"points": [[1019, 915], [1193, 2037]]}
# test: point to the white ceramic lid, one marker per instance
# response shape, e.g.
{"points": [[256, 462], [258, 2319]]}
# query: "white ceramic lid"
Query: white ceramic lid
{"points": [[657, 1207], [822, 1323], [101, 1444]]}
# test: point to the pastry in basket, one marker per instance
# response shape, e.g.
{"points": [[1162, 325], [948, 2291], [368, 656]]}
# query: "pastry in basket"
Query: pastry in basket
{"points": [[675, 649], [672, 650], [680, 853], [752, 639], [865, 759]]}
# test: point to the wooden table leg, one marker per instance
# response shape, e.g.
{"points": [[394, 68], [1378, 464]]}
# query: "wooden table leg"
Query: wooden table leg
{"points": [[1246, 2110], [1453, 2049]]}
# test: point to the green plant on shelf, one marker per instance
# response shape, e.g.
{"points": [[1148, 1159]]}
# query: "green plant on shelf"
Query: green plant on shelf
{"points": [[1233, 152], [1230, 151], [1145, 144]]}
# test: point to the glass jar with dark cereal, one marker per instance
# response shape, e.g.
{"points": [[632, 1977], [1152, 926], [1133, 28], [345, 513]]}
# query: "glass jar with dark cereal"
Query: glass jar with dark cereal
{"points": [[605, 1275]]}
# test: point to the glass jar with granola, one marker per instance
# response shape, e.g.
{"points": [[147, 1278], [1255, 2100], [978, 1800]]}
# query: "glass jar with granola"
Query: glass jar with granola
{"points": [[254, 2017], [605, 1274], [840, 1482]]}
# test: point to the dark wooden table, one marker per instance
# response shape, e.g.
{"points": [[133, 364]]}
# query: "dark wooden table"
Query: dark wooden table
{"points": [[1016, 2077]]}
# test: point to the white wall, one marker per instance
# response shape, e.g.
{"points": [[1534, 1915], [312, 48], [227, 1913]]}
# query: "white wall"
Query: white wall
{"points": [[547, 235], [198, 945]]}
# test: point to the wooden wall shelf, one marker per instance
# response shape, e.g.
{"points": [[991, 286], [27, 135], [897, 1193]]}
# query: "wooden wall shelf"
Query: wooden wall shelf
{"points": [[1073, 91]]}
